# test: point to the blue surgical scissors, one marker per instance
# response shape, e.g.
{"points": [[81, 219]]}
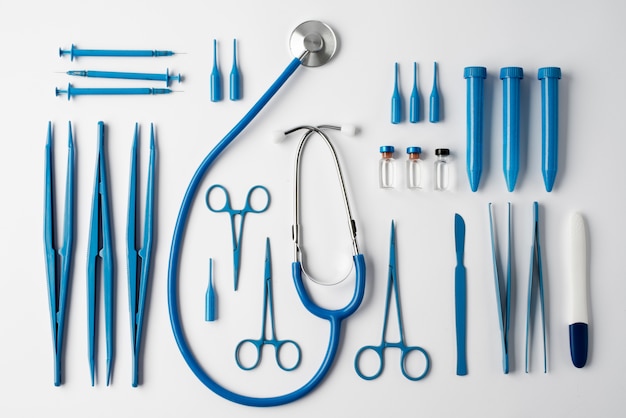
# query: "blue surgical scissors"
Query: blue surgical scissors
{"points": [[268, 307], [100, 246], [139, 258], [58, 275], [248, 208], [392, 285]]}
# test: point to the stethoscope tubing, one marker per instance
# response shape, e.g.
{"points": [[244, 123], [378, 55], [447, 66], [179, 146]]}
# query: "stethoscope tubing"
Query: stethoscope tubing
{"points": [[334, 317]]}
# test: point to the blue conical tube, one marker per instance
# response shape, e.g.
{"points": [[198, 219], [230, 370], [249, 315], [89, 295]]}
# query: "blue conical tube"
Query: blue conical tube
{"points": [[475, 77], [510, 77], [549, 77], [396, 100]]}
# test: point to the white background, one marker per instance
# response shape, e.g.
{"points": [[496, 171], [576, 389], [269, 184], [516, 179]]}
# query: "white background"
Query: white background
{"points": [[583, 38]]}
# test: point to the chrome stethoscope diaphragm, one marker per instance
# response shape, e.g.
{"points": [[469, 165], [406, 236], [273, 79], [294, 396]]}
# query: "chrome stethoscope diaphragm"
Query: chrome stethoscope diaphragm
{"points": [[314, 42]]}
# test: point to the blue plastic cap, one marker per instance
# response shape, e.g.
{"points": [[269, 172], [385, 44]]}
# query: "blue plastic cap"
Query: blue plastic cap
{"points": [[414, 150], [579, 343], [549, 72], [387, 148], [511, 72], [470, 72]]}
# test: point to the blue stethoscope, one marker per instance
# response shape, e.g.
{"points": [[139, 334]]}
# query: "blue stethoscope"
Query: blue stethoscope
{"points": [[314, 43]]}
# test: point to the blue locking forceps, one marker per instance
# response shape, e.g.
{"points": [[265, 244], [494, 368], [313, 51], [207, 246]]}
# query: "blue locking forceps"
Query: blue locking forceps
{"points": [[58, 261], [392, 285], [139, 258], [268, 309], [100, 247], [248, 208]]}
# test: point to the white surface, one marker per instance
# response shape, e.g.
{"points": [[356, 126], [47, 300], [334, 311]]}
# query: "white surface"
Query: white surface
{"points": [[583, 38]]}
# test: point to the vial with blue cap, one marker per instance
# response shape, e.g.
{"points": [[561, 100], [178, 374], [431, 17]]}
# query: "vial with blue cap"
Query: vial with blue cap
{"points": [[414, 168], [386, 169]]}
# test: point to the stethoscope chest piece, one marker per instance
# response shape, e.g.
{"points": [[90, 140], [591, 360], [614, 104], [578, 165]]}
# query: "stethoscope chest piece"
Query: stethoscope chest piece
{"points": [[316, 38]]}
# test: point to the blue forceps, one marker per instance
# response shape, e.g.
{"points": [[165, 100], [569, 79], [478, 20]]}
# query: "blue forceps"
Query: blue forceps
{"points": [[392, 284], [503, 296], [139, 258], [535, 281], [268, 306], [100, 246], [58, 275], [248, 208]]}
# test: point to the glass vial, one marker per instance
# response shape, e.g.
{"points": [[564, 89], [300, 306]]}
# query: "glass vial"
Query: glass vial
{"points": [[385, 167], [414, 168], [442, 174]]}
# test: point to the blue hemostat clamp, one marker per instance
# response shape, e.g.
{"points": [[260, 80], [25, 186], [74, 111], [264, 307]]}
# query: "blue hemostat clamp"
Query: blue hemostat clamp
{"points": [[139, 259], [549, 77], [475, 77], [59, 261], [511, 77]]}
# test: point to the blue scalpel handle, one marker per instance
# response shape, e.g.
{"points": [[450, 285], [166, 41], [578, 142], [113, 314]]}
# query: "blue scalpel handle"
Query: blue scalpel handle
{"points": [[460, 296]]}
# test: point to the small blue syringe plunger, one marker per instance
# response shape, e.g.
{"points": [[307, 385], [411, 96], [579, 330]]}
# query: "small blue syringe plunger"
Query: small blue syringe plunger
{"points": [[167, 77], [76, 91], [76, 52]]}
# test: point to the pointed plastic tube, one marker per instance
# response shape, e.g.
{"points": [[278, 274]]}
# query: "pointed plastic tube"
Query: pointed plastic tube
{"points": [[235, 79], [433, 115], [396, 100], [511, 77], [475, 77], [414, 102], [216, 78], [549, 77]]}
